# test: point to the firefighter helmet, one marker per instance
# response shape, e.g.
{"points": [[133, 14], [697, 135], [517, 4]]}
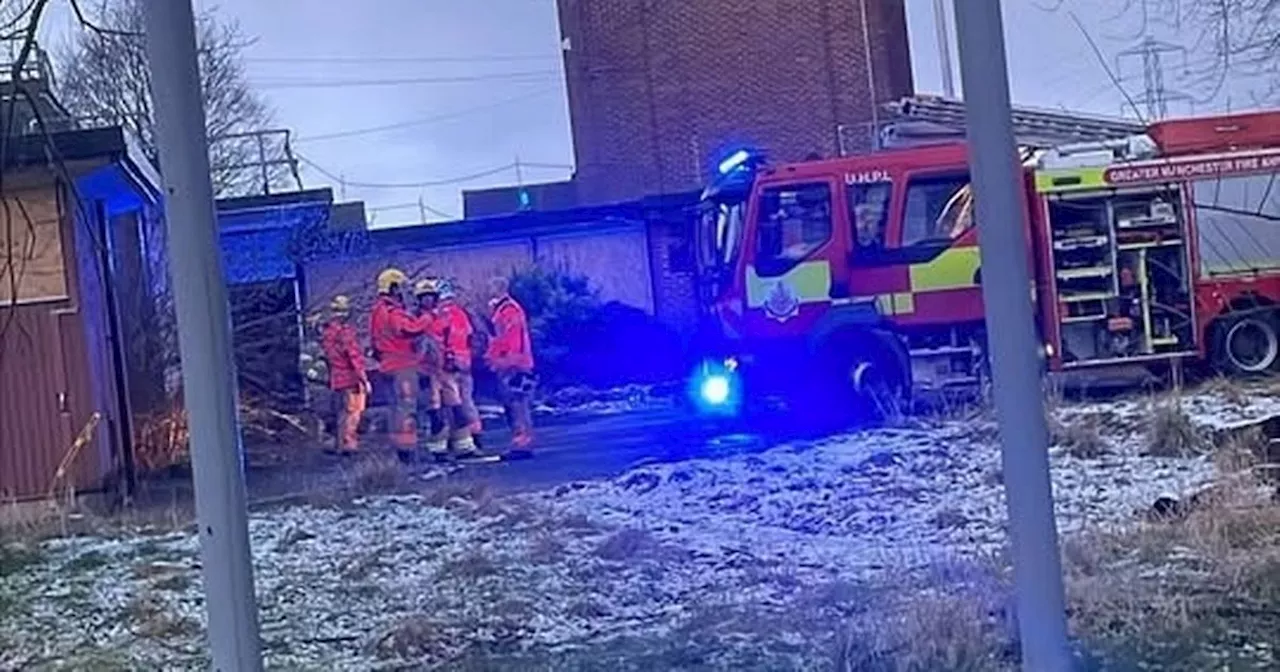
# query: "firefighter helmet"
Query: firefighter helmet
{"points": [[426, 286], [389, 278], [341, 305]]}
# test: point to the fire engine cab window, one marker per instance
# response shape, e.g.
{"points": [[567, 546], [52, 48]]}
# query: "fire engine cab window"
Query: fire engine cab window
{"points": [[937, 210], [869, 212], [1239, 222], [794, 221]]}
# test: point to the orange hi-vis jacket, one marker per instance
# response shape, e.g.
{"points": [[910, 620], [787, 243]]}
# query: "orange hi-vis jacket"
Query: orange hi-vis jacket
{"points": [[394, 332], [342, 352], [452, 330], [511, 348]]}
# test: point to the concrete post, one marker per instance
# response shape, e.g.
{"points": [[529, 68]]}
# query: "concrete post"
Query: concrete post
{"points": [[204, 336], [1015, 349]]}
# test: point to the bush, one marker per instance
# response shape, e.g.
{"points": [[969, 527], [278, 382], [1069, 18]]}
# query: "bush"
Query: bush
{"points": [[563, 310], [580, 340]]}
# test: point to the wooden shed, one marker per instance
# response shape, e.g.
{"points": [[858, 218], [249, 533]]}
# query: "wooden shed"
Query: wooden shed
{"points": [[80, 234]]}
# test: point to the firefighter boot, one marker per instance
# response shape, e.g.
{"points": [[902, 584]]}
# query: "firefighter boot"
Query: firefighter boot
{"points": [[437, 443], [461, 441]]}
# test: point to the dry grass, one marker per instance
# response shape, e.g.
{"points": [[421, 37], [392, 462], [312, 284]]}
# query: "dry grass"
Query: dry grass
{"points": [[469, 567], [1228, 389], [628, 544], [1240, 451], [161, 439], [376, 473], [1081, 438], [150, 618], [1171, 433], [416, 637], [16, 557], [925, 633], [1195, 594], [449, 493]]}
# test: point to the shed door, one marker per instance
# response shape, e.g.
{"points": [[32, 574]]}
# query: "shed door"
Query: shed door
{"points": [[37, 396]]}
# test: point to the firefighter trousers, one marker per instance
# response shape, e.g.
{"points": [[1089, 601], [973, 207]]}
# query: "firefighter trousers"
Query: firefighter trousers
{"points": [[404, 411], [451, 423], [349, 405], [517, 401]]}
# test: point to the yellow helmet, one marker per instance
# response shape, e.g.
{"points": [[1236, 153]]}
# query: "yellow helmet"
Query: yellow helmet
{"points": [[389, 278], [426, 286], [341, 305]]}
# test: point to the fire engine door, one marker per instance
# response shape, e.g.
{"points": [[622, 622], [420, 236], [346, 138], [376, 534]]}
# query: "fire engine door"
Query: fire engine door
{"points": [[790, 262]]}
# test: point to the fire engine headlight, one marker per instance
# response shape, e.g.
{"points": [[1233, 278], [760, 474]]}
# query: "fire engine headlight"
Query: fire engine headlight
{"points": [[715, 389]]}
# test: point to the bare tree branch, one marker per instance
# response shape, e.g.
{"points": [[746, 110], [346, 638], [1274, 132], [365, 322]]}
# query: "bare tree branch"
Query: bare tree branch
{"points": [[1234, 45], [104, 75]]}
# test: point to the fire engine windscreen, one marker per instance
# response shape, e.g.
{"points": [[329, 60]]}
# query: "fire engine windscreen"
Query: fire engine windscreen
{"points": [[719, 237]]}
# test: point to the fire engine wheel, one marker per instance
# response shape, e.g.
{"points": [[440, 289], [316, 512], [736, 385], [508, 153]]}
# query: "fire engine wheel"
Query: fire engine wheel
{"points": [[865, 380], [1250, 345]]}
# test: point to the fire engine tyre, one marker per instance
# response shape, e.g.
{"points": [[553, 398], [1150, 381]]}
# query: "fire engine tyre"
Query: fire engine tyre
{"points": [[866, 377], [1248, 345]]}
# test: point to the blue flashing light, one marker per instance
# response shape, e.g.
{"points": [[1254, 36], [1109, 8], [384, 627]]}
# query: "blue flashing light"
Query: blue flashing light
{"points": [[524, 198], [735, 161], [715, 390]]}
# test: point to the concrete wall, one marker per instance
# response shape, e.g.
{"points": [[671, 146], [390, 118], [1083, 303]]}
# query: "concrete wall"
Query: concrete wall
{"points": [[614, 258]]}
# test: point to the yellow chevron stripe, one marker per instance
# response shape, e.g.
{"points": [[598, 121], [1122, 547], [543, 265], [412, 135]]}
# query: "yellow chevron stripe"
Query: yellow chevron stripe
{"points": [[953, 269]]}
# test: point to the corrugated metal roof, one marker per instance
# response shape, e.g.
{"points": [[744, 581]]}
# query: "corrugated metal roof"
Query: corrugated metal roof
{"points": [[257, 256]]}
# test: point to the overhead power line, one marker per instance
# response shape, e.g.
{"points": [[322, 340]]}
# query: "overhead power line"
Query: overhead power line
{"points": [[534, 75], [420, 205], [423, 121], [427, 183], [356, 60]]}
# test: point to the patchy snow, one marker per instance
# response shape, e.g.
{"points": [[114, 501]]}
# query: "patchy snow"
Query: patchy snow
{"points": [[1221, 405], [742, 562], [590, 402]]}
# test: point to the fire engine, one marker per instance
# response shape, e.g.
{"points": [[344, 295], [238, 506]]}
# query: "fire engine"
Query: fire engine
{"points": [[833, 278]]}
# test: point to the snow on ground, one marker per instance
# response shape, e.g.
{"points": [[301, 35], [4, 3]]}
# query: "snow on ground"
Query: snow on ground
{"points": [[608, 402], [743, 562], [585, 402]]}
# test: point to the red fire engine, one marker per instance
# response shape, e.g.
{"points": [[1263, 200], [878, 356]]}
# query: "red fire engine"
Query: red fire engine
{"points": [[853, 274]]}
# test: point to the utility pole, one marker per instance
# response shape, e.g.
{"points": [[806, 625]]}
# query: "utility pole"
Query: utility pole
{"points": [[944, 48], [204, 337], [1015, 350]]}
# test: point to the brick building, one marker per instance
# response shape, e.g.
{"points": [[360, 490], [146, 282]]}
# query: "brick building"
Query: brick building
{"points": [[658, 89]]}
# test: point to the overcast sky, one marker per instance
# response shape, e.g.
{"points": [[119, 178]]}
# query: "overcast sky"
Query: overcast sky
{"points": [[469, 86]]}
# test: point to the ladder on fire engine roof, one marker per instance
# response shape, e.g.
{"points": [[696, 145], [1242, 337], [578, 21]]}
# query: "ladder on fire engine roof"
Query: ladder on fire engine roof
{"points": [[921, 120]]}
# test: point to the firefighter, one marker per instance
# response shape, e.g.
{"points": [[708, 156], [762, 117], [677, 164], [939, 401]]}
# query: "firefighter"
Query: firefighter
{"points": [[431, 372], [452, 331], [510, 356], [347, 376], [395, 332], [315, 371]]}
